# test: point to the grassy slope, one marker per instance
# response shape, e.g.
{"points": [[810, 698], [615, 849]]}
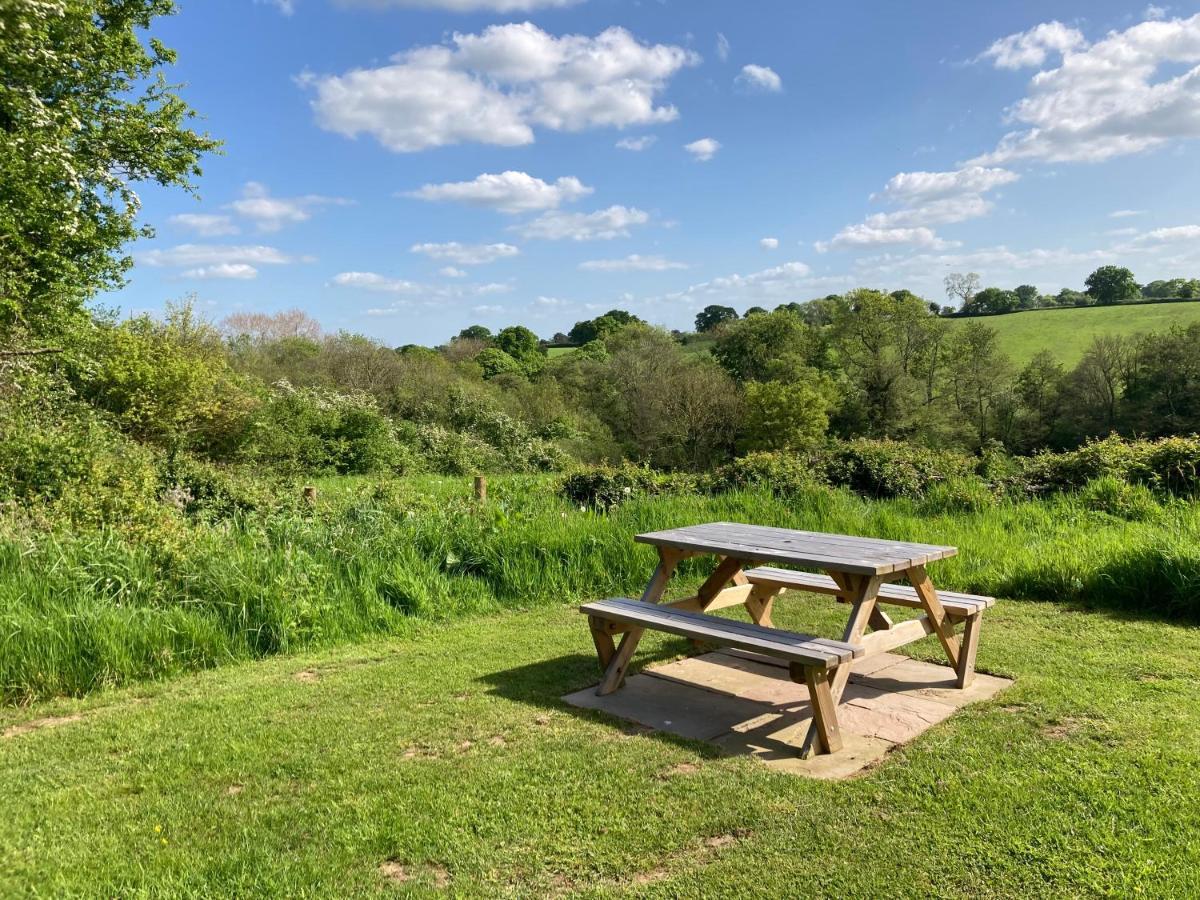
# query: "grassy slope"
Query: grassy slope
{"points": [[1067, 332], [449, 753]]}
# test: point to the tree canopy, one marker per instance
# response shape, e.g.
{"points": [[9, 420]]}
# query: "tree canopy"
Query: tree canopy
{"points": [[85, 114], [1112, 284], [712, 316]]}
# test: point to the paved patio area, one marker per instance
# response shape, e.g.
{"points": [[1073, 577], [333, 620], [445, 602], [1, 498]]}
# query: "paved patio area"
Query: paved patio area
{"points": [[747, 705]]}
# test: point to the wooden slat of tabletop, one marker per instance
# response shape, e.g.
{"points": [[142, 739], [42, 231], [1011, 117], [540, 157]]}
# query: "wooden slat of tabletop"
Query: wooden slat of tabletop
{"points": [[844, 553]]}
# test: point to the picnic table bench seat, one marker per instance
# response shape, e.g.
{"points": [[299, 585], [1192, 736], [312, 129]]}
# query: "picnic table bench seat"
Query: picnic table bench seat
{"points": [[811, 660], [957, 605]]}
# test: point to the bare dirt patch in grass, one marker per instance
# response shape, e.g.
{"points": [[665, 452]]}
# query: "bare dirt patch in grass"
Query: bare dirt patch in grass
{"points": [[308, 676], [679, 769], [398, 873], [38, 724]]}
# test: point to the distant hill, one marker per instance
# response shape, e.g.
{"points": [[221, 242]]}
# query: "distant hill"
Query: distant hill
{"points": [[1068, 332]]}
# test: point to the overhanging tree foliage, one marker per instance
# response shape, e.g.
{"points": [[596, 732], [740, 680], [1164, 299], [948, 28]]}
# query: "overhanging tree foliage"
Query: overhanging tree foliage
{"points": [[85, 114]]}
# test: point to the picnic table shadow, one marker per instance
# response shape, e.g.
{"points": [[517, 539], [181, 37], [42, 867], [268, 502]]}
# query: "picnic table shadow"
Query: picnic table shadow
{"points": [[543, 684]]}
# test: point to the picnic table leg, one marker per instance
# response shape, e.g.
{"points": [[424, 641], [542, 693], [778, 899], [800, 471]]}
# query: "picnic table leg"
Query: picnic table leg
{"points": [[824, 707], [618, 662], [942, 626], [862, 591], [760, 603], [970, 643], [879, 621]]}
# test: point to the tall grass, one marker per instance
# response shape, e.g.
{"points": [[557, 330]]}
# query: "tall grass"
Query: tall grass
{"points": [[84, 609]]}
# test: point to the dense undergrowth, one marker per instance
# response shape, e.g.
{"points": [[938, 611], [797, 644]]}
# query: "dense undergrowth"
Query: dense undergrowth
{"points": [[213, 581]]}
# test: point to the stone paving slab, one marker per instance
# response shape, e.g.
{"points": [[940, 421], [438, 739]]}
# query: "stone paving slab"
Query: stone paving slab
{"points": [[746, 704]]}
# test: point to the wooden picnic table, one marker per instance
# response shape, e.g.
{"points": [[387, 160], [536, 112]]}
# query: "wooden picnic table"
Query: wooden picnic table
{"points": [[861, 572]]}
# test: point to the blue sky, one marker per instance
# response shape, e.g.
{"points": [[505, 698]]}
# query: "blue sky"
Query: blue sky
{"points": [[404, 168]]}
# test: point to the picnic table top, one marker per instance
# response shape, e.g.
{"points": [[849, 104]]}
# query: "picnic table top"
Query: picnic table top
{"points": [[830, 552]]}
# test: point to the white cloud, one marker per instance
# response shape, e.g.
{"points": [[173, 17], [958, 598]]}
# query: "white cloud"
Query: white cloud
{"points": [[769, 243], [487, 310], [1175, 233], [760, 78], [466, 254], [866, 235], [273, 213], [1103, 101], [451, 272], [508, 192], [287, 7], [427, 294], [1126, 213], [205, 224], [495, 87], [602, 225], [463, 6], [632, 263], [1153, 12], [704, 149], [636, 144], [777, 284], [1030, 48], [240, 271], [722, 47], [922, 187], [195, 255]]}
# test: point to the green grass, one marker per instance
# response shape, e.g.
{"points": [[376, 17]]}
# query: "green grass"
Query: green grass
{"points": [[449, 753], [1067, 333], [559, 351], [81, 610]]}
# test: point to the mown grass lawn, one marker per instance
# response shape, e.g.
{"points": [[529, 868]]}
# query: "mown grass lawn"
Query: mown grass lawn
{"points": [[445, 761]]}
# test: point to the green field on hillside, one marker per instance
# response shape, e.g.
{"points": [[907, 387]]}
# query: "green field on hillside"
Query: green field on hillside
{"points": [[1067, 333]]}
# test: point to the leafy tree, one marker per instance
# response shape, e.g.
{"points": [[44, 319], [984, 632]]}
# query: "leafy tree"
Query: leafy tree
{"points": [[961, 286], [1095, 384], [757, 348], [518, 342], [1041, 402], [599, 328], [712, 316], [1162, 391], [1027, 296], [476, 333], [495, 361], [1068, 297], [1112, 284], [787, 416], [992, 301], [754, 311], [980, 380], [85, 115]]}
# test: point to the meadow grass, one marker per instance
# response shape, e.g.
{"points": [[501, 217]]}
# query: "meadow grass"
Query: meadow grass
{"points": [[1067, 333], [444, 762], [87, 609]]}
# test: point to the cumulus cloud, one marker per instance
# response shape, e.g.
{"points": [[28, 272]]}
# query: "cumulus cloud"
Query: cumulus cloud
{"points": [[777, 284], [1030, 48], [466, 254], [497, 86], [508, 192], [239, 271], [1174, 233], [769, 243], [205, 224], [924, 199], [1123, 94], [196, 255], [273, 213], [602, 225], [760, 78], [632, 263], [704, 149], [636, 144], [452, 272], [866, 235]]}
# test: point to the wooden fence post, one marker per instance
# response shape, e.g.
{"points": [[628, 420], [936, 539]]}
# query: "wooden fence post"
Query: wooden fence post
{"points": [[480, 488]]}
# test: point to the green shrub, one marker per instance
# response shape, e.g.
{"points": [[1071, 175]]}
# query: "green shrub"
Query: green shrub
{"points": [[1109, 494], [959, 494], [885, 469], [608, 486], [785, 474], [1172, 465], [313, 431], [1112, 457]]}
